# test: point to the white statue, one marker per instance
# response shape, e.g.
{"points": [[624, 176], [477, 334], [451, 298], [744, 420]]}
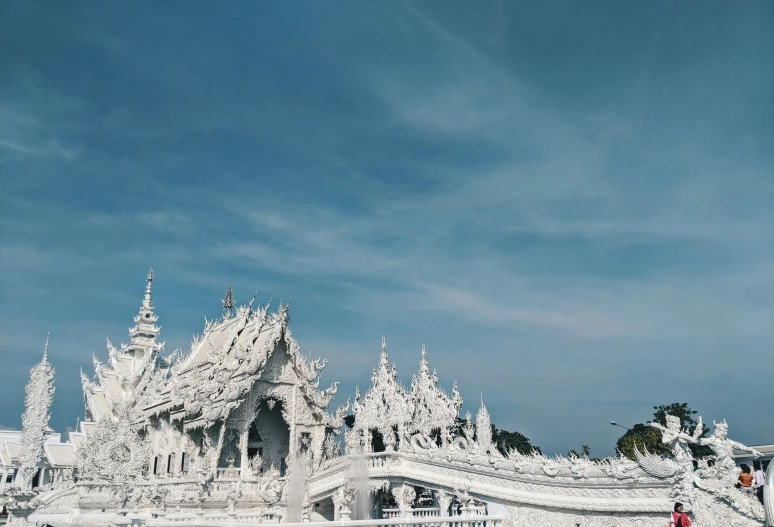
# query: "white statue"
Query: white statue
{"points": [[723, 447], [678, 440]]}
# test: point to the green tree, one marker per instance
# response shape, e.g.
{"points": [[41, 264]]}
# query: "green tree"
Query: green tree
{"points": [[506, 441], [643, 437], [585, 451]]}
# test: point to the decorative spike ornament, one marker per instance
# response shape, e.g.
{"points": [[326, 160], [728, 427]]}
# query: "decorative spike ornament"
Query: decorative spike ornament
{"points": [[228, 301], [483, 427], [37, 404]]}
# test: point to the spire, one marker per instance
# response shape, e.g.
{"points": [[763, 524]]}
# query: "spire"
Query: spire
{"points": [[228, 300], [39, 394], [45, 349], [424, 368], [384, 359], [483, 426], [145, 331], [147, 301]]}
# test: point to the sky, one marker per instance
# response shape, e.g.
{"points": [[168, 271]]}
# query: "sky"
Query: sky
{"points": [[569, 203]]}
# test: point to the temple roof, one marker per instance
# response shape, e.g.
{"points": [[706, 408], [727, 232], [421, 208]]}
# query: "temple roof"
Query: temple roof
{"points": [[213, 378], [230, 356]]}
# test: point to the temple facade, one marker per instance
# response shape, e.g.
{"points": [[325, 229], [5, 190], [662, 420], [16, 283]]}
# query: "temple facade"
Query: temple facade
{"points": [[236, 430]]}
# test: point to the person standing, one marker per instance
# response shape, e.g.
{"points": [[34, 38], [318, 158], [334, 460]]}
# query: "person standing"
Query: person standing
{"points": [[746, 479], [679, 518], [758, 480]]}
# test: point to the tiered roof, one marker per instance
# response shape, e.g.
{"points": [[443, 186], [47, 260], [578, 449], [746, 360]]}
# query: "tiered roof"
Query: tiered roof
{"points": [[233, 353]]}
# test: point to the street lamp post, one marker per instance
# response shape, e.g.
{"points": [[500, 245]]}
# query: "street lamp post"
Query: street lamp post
{"points": [[616, 424]]}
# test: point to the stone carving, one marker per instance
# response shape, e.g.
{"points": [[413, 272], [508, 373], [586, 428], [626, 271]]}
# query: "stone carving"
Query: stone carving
{"points": [[433, 410], [385, 405], [677, 440], [37, 403], [114, 451], [719, 480], [724, 468], [212, 431]]}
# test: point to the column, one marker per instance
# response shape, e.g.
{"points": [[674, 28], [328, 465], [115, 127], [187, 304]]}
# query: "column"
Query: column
{"points": [[444, 500], [336, 504], [5, 476], [244, 462], [293, 443]]}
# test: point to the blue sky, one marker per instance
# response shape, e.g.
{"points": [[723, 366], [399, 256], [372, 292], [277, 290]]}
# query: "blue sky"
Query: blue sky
{"points": [[569, 203]]}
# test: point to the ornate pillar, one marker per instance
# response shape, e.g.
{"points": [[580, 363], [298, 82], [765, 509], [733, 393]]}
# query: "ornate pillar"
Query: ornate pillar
{"points": [[293, 443], [404, 495], [444, 501], [244, 464], [336, 504]]}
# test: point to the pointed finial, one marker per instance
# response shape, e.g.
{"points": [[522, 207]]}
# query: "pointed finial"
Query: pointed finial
{"points": [[228, 300], [424, 353], [45, 348], [384, 360], [149, 288], [252, 301]]}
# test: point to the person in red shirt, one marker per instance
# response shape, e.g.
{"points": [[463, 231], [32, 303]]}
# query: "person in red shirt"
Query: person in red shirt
{"points": [[679, 518]]}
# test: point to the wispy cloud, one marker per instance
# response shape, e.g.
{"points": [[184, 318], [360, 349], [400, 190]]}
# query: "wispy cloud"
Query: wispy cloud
{"points": [[470, 180]]}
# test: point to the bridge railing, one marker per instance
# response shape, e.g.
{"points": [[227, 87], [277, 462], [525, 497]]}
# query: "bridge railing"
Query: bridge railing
{"points": [[215, 520]]}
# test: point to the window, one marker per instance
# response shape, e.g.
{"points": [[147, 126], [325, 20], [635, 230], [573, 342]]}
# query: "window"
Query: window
{"points": [[184, 462]]}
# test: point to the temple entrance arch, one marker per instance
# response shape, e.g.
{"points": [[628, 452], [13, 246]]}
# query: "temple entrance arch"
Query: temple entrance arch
{"points": [[271, 435]]}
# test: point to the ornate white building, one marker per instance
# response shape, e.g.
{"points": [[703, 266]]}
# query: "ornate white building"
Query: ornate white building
{"points": [[237, 431]]}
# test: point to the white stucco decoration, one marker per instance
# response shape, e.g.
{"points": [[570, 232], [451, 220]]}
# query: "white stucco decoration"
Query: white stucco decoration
{"points": [[37, 405], [215, 435]]}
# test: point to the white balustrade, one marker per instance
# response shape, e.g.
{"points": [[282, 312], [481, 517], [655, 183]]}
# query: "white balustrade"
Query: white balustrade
{"points": [[225, 520]]}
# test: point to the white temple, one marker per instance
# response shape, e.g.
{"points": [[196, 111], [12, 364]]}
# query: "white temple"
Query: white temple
{"points": [[237, 431]]}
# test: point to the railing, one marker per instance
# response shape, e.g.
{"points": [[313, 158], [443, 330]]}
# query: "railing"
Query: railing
{"points": [[434, 512], [229, 473], [223, 520]]}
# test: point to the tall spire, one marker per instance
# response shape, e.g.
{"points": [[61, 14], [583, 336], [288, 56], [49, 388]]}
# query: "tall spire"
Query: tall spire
{"points": [[424, 369], [228, 300], [384, 358], [37, 404], [45, 348], [483, 426], [145, 331], [147, 301]]}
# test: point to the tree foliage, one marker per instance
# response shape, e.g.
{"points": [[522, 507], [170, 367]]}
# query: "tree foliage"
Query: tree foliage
{"points": [[585, 451], [644, 436], [507, 441]]}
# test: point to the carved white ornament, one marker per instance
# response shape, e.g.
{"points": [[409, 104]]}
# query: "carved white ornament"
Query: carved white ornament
{"points": [[179, 437]]}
